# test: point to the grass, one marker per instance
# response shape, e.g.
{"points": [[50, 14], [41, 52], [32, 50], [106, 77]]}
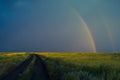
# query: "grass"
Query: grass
{"points": [[82, 66], [67, 66], [8, 61]]}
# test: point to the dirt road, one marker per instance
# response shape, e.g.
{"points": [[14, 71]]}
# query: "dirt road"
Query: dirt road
{"points": [[18, 70], [39, 70]]}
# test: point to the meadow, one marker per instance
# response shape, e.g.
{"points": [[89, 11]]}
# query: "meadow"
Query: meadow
{"points": [[82, 66]]}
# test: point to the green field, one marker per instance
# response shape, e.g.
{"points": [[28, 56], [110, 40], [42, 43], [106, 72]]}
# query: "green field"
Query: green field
{"points": [[67, 66], [82, 66]]}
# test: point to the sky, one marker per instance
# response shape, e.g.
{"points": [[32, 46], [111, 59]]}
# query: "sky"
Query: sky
{"points": [[60, 25]]}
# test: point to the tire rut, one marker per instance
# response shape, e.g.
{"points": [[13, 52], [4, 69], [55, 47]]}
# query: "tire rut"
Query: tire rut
{"points": [[18, 70], [40, 71]]}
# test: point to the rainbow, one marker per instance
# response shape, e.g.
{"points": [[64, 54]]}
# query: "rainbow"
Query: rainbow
{"points": [[86, 28], [108, 29]]}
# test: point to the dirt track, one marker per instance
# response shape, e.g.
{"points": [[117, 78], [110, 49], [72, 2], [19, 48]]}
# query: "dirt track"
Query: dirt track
{"points": [[39, 70], [13, 74]]}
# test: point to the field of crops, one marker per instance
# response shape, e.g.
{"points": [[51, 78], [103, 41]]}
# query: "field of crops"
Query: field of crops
{"points": [[9, 61], [82, 66]]}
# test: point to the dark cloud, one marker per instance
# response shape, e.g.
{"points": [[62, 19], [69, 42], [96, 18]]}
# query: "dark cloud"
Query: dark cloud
{"points": [[50, 25]]}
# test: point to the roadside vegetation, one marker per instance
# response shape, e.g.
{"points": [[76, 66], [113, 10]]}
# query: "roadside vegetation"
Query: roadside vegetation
{"points": [[82, 66], [9, 61]]}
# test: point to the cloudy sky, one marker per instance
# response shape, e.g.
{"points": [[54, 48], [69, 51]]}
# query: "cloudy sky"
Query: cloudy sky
{"points": [[60, 25]]}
